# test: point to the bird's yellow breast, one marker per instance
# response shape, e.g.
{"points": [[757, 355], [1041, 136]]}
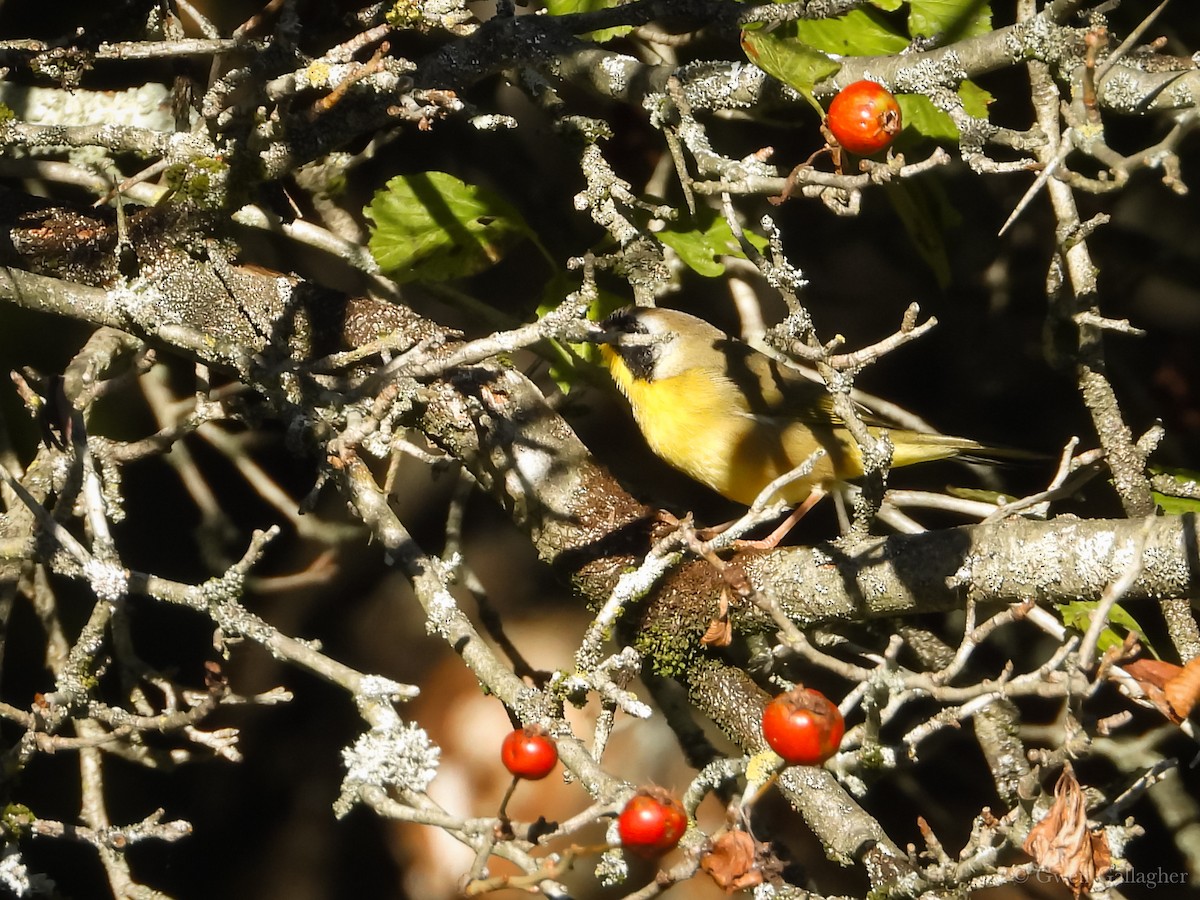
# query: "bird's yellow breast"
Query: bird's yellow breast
{"points": [[698, 422]]}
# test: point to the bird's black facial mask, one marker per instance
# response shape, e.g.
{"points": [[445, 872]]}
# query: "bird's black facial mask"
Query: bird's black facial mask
{"points": [[639, 356]]}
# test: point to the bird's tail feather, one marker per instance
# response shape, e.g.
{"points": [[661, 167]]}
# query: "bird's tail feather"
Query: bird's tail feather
{"points": [[915, 447]]}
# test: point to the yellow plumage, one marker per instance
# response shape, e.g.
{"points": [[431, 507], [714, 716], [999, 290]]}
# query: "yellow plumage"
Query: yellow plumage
{"points": [[735, 419]]}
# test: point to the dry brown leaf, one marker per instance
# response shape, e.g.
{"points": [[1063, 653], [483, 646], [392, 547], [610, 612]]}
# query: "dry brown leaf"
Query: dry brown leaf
{"points": [[719, 633], [1174, 690], [733, 861], [1063, 844], [1184, 689], [1151, 675], [720, 629], [1152, 672]]}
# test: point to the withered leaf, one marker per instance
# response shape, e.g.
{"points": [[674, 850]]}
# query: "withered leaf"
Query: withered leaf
{"points": [[719, 633], [1064, 844], [720, 629], [1184, 689], [1174, 690], [1151, 676], [733, 861]]}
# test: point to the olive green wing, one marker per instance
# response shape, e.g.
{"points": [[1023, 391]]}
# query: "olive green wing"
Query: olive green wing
{"points": [[778, 391]]}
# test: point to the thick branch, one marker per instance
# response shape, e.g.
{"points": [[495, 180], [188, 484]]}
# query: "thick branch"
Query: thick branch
{"points": [[579, 519], [1011, 561]]}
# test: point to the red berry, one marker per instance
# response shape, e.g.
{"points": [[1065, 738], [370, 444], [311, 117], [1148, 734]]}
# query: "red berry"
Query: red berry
{"points": [[651, 823], [529, 753], [803, 727], [864, 118]]}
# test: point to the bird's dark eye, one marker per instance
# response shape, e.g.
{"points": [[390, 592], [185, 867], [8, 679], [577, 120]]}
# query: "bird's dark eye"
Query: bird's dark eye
{"points": [[625, 321]]}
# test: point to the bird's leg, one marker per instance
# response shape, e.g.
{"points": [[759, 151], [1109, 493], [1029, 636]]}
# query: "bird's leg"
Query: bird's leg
{"points": [[670, 521], [782, 529]]}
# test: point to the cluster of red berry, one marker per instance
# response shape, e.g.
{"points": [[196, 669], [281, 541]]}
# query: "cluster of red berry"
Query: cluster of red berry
{"points": [[801, 725]]}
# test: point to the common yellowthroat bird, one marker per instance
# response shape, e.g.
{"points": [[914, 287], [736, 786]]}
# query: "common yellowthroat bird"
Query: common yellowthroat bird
{"points": [[735, 419]]}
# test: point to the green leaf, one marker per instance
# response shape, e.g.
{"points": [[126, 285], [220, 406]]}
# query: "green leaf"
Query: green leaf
{"points": [[918, 112], [975, 99], [702, 247], [782, 56], [1174, 506], [980, 495], [858, 33], [887, 5], [566, 7], [950, 19], [564, 358], [1077, 615], [432, 226], [920, 115], [926, 218]]}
